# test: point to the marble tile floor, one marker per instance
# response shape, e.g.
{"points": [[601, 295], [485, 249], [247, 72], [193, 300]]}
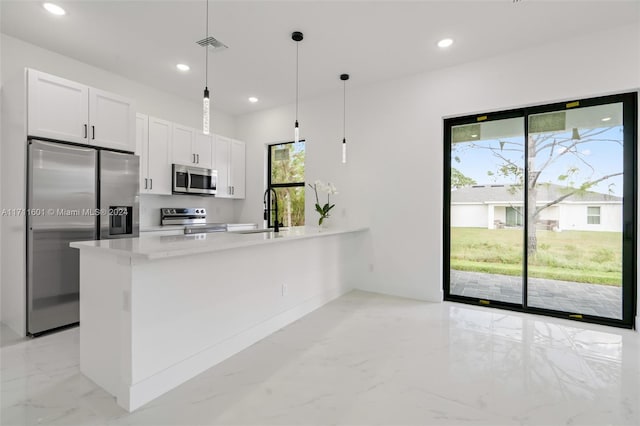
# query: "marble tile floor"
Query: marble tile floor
{"points": [[364, 359]]}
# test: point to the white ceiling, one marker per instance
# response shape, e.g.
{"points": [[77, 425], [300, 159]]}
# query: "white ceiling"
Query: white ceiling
{"points": [[371, 40]]}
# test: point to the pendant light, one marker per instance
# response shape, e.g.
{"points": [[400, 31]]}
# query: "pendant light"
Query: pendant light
{"points": [[344, 78], [205, 99], [297, 36]]}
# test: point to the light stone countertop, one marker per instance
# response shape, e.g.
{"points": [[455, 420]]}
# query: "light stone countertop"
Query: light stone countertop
{"points": [[160, 247]]}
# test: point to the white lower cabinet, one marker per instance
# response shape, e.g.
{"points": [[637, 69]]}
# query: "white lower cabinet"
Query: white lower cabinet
{"points": [[230, 164], [153, 144]]}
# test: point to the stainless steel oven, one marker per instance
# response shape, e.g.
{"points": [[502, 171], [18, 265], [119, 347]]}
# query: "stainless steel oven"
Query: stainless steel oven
{"points": [[193, 180]]}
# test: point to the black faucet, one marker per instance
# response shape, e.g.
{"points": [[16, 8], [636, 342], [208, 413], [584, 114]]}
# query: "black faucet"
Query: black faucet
{"points": [[276, 226]]}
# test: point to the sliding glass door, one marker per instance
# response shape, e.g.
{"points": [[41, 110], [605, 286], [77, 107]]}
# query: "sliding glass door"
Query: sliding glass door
{"points": [[541, 209]]}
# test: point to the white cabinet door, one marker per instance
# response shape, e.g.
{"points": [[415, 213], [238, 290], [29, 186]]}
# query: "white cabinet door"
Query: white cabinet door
{"points": [[57, 108], [182, 145], [222, 153], [112, 121], [158, 156], [203, 149], [237, 169], [142, 149]]}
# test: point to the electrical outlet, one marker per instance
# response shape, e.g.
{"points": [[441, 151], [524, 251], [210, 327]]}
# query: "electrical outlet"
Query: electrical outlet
{"points": [[285, 289]]}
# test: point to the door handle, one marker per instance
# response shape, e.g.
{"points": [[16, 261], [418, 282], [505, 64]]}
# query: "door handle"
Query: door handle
{"points": [[85, 131], [150, 183], [93, 131], [145, 183]]}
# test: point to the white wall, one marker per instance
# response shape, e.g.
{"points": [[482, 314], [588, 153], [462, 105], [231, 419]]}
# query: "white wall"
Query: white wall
{"points": [[15, 55], [469, 215], [574, 217], [393, 181]]}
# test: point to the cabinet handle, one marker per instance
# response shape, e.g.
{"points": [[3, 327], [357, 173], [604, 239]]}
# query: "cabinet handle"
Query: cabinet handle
{"points": [[85, 131], [233, 190], [145, 183], [198, 156], [150, 183], [93, 131], [194, 158]]}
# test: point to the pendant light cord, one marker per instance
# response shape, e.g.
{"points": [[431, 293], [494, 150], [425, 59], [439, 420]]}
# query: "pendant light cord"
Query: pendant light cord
{"points": [[297, 83], [206, 55]]}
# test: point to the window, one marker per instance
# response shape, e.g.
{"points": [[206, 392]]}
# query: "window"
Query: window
{"points": [[513, 179], [593, 215], [285, 170], [514, 216]]}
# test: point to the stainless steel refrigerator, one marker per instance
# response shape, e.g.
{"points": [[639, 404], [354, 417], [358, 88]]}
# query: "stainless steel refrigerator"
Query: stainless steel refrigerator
{"points": [[74, 193]]}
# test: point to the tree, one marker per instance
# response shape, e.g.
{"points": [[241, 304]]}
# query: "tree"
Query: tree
{"points": [[544, 150], [458, 179]]}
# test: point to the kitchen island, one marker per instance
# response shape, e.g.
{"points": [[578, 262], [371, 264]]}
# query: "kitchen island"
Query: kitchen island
{"points": [[157, 311]]}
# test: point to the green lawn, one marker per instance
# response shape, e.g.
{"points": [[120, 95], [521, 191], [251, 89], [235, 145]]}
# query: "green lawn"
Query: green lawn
{"points": [[580, 256]]}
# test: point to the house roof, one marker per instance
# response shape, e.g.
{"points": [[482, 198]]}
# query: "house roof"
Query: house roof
{"points": [[513, 194]]}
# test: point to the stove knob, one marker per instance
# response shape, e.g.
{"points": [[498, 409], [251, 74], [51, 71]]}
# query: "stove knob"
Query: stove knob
{"points": [[173, 211]]}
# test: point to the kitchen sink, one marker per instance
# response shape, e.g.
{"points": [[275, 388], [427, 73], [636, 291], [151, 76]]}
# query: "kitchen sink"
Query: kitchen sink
{"points": [[258, 231]]}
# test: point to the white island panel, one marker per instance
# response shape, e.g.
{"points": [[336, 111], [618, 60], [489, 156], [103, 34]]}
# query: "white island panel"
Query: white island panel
{"points": [[150, 323]]}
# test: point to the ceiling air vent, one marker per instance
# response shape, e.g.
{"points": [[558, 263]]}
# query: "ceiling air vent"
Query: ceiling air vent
{"points": [[212, 43]]}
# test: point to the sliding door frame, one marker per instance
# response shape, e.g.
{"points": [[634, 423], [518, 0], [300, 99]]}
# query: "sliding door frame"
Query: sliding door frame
{"points": [[630, 213]]}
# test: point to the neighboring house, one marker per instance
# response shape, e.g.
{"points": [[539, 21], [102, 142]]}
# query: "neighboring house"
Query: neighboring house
{"points": [[500, 206]]}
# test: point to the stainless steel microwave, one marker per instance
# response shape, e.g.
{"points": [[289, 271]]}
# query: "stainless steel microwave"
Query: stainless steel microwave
{"points": [[193, 180]]}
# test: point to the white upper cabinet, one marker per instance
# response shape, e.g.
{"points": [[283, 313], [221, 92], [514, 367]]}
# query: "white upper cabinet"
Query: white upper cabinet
{"points": [[112, 120], [237, 169], [222, 153], [142, 149], [159, 164], [203, 149], [230, 163], [57, 108], [182, 145], [153, 137], [64, 110], [191, 147]]}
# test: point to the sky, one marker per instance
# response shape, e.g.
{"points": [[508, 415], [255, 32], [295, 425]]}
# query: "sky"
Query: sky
{"points": [[475, 159]]}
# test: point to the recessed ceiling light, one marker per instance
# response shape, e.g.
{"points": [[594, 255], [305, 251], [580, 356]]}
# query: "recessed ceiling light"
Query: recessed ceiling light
{"points": [[606, 119], [253, 99], [54, 9], [445, 42], [183, 67]]}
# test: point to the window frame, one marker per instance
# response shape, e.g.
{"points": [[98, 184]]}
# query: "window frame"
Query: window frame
{"points": [[630, 209], [271, 185]]}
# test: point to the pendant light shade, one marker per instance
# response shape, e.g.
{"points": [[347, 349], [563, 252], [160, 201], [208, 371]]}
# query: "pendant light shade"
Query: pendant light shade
{"points": [[205, 100], [297, 36], [344, 78]]}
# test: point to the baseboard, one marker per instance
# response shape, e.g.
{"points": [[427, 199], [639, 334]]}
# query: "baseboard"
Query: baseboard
{"points": [[135, 396]]}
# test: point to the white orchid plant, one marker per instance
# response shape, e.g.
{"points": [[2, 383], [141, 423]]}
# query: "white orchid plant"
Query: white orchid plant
{"points": [[329, 189]]}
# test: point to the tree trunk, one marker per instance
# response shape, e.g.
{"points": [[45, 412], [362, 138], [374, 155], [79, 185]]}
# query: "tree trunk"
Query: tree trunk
{"points": [[532, 196]]}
